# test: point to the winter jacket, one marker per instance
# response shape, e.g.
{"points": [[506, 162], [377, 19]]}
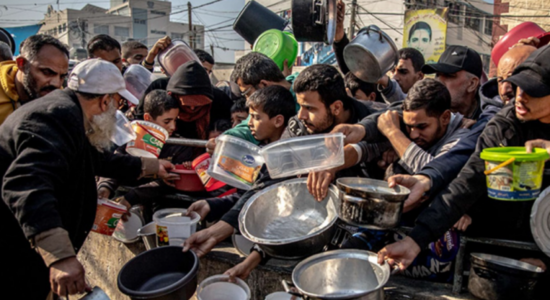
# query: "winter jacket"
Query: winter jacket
{"points": [[48, 170], [9, 99], [497, 219]]}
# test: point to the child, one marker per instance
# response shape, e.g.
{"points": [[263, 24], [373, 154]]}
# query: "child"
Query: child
{"points": [[239, 112], [270, 109], [218, 128]]}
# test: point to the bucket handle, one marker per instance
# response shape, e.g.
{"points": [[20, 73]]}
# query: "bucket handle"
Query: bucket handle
{"points": [[318, 14], [375, 29], [287, 285]]}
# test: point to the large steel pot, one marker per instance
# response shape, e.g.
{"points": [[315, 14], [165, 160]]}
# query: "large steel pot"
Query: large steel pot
{"points": [[340, 274], [371, 54], [314, 20], [287, 222], [494, 277], [370, 203]]}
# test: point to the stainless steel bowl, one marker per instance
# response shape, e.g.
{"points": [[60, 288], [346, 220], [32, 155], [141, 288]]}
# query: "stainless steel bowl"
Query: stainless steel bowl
{"points": [[286, 221], [341, 274], [370, 203]]}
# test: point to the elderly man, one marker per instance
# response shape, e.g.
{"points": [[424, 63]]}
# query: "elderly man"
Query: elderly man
{"points": [[40, 69], [528, 119], [50, 152]]}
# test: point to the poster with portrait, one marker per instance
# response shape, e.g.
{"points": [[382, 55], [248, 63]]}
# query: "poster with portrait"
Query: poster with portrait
{"points": [[426, 31]]}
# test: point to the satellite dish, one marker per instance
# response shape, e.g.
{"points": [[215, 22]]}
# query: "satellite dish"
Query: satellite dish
{"points": [[6, 37]]}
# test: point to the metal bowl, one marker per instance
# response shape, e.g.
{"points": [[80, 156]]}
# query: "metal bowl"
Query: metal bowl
{"points": [[341, 274], [370, 203], [287, 222]]}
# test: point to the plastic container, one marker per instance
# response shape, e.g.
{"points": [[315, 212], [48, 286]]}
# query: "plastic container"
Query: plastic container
{"points": [[176, 55], [189, 180], [124, 133], [107, 216], [279, 296], [150, 139], [236, 162], [201, 165], [521, 31], [301, 155], [127, 232], [173, 227], [219, 287], [255, 19], [137, 79], [277, 45], [518, 181]]}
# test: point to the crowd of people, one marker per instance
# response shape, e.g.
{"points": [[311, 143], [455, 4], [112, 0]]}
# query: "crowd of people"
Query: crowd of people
{"points": [[57, 158]]}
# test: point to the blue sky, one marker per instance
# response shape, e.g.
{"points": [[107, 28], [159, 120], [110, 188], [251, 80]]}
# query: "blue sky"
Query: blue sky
{"points": [[26, 12]]}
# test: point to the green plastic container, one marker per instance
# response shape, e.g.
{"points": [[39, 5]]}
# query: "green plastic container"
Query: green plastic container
{"points": [[278, 46], [518, 181]]}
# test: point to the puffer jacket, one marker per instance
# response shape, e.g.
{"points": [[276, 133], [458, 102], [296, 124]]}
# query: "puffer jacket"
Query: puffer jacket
{"points": [[9, 99]]}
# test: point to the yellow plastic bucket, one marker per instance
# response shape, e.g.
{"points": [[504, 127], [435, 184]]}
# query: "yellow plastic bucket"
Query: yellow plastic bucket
{"points": [[520, 180]]}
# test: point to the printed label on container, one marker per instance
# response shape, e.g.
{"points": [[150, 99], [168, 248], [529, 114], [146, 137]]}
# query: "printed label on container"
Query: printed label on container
{"points": [[517, 181], [244, 170], [162, 236], [201, 169]]}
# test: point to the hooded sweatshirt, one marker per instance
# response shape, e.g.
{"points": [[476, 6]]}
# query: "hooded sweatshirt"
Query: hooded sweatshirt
{"points": [[9, 99]]}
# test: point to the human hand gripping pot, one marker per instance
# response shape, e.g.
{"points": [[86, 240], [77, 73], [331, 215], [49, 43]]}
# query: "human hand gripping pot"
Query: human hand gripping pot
{"points": [[202, 242], [67, 277], [417, 184]]}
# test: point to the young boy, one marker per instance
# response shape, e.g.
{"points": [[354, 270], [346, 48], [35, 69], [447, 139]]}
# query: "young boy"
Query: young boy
{"points": [[270, 109], [161, 109], [239, 112]]}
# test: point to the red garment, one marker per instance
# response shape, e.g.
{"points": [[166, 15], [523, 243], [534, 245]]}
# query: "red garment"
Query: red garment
{"points": [[196, 108]]}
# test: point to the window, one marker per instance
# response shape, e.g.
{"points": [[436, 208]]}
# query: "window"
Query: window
{"points": [[122, 31], [158, 32], [64, 27], [473, 19], [158, 12], [176, 36], [488, 26], [101, 29], [59, 29]]}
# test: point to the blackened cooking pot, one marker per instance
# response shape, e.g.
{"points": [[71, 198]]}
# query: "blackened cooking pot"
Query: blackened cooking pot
{"points": [[314, 20]]}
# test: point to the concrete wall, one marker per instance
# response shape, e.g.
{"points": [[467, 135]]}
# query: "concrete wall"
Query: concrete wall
{"points": [[527, 9]]}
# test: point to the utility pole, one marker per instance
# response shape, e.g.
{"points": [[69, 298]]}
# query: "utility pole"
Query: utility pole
{"points": [[212, 49], [189, 13], [352, 20]]}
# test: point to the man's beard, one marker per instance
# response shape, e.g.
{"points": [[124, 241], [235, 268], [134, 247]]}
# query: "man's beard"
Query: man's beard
{"points": [[31, 86], [324, 127], [103, 128]]}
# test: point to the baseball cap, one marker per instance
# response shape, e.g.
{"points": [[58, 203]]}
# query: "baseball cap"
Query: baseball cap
{"points": [[96, 76], [533, 75], [454, 59]]}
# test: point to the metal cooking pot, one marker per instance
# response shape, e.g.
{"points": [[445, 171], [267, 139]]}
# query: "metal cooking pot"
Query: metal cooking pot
{"points": [[494, 277], [370, 203], [255, 19], [340, 274], [148, 234], [371, 54], [314, 20], [287, 222]]}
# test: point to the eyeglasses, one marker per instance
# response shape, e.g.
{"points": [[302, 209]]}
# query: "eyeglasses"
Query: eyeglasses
{"points": [[247, 91]]}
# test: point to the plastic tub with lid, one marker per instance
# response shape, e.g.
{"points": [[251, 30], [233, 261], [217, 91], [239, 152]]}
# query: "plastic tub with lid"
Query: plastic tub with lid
{"points": [[220, 287], [173, 226], [150, 138], [277, 45], [301, 155], [519, 180], [176, 55]]}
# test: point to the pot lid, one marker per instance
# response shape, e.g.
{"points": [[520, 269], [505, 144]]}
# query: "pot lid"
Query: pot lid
{"points": [[332, 11], [127, 232], [540, 221]]}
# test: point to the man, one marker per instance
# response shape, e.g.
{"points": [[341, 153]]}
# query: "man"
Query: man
{"points": [[5, 52], [40, 69], [50, 152], [161, 44], [527, 120], [321, 94], [358, 89], [105, 47], [206, 59], [460, 68], [133, 53]]}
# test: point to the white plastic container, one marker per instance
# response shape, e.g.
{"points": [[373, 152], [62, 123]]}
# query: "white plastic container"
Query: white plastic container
{"points": [[218, 287], [235, 162], [301, 155], [173, 226]]}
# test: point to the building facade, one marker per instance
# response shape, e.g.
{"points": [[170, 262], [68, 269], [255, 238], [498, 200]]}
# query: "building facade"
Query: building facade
{"points": [[142, 20]]}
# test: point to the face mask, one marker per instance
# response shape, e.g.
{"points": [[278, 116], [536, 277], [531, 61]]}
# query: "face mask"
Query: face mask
{"points": [[123, 130]]}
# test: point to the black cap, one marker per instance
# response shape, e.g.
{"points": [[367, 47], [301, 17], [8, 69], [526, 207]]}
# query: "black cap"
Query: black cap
{"points": [[454, 59], [533, 75], [190, 79]]}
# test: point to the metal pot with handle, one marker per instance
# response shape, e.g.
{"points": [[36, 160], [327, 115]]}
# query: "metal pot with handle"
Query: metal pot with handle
{"points": [[371, 54], [341, 274], [314, 20]]}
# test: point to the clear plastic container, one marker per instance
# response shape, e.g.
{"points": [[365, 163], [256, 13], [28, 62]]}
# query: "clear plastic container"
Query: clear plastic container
{"points": [[176, 55], [137, 79], [219, 287], [301, 155], [173, 226], [124, 132], [236, 162]]}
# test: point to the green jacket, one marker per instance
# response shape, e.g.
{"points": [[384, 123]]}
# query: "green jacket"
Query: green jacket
{"points": [[243, 131]]}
